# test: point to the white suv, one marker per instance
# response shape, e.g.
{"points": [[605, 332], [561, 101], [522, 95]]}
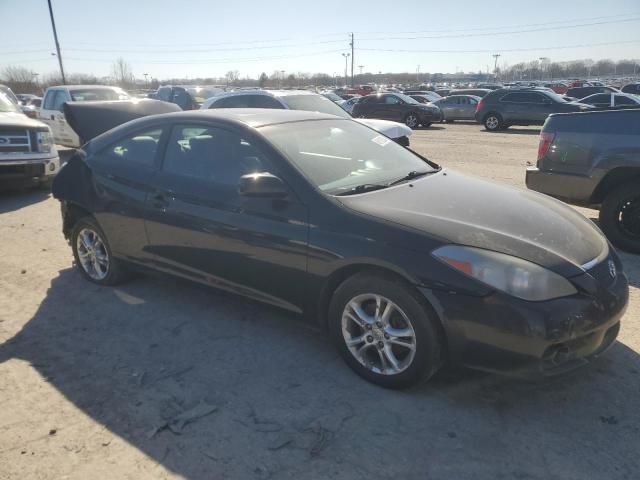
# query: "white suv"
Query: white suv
{"points": [[27, 153], [52, 113]]}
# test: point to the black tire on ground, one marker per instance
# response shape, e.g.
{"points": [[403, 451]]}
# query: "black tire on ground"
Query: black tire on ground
{"points": [[426, 125], [493, 122], [116, 272], [448, 121], [427, 358], [620, 217]]}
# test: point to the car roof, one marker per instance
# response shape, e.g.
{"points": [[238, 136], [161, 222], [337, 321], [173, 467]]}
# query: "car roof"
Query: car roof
{"points": [[78, 87]]}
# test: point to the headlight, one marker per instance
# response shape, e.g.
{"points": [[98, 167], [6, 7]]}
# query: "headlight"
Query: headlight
{"points": [[44, 141], [512, 275]]}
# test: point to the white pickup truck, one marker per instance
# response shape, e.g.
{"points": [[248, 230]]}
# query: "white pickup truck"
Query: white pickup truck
{"points": [[27, 152]]}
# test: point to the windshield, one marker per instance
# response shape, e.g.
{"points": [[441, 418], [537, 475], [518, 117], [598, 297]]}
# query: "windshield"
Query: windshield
{"points": [[314, 103], [7, 105], [333, 97], [339, 155], [98, 94], [200, 94], [405, 98]]}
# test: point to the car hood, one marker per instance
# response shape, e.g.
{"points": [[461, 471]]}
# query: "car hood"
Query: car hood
{"points": [[390, 129], [20, 120], [469, 211], [90, 119]]}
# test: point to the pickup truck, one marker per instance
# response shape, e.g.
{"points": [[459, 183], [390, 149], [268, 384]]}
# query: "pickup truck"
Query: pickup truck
{"points": [[592, 159], [27, 153]]}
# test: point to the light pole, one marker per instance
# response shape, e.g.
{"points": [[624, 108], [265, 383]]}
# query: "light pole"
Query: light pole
{"points": [[146, 79], [55, 37], [495, 65], [346, 63], [542, 63]]}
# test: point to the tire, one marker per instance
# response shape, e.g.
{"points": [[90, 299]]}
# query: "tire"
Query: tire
{"points": [[426, 125], [620, 217], [446, 120], [109, 271], [416, 355], [493, 122], [411, 120]]}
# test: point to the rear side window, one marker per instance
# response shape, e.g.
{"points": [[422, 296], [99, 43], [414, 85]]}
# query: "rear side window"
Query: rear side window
{"points": [[49, 99], [211, 154], [264, 101], [620, 100], [236, 101], [137, 149], [522, 97]]}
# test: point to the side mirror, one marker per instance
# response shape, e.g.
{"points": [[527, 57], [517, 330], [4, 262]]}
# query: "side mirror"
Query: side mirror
{"points": [[263, 185]]}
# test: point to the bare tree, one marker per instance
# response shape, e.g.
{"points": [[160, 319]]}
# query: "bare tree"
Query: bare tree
{"points": [[232, 76], [122, 74], [19, 79]]}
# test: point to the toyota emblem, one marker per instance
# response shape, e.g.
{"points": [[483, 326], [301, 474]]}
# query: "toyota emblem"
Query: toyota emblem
{"points": [[612, 269]]}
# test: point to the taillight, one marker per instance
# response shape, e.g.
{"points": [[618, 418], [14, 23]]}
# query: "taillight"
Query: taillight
{"points": [[546, 139], [480, 105]]}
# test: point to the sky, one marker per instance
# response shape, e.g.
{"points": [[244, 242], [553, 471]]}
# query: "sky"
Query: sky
{"points": [[207, 38]]}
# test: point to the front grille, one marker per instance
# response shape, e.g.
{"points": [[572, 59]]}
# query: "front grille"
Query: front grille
{"points": [[14, 140]]}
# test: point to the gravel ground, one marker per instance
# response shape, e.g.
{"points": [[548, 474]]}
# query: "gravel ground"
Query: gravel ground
{"points": [[161, 378]]}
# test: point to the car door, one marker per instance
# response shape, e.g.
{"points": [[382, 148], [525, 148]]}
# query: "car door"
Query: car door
{"points": [[200, 227], [47, 114], [394, 108], [121, 177], [466, 110]]}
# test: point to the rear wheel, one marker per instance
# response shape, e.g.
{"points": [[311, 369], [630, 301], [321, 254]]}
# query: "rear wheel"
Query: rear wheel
{"points": [[383, 331], [493, 122], [93, 255], [620, 217]]}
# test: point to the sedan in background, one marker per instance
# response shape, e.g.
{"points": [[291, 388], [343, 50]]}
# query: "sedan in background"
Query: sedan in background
{"points": [[397, 107], [432, 96], [303, 100], [458, 107], [407, 266], [347, 105], [612, 100], [581, 92]]}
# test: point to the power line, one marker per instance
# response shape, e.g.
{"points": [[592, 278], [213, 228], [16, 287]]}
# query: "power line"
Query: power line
{"points": [[532, 49]]}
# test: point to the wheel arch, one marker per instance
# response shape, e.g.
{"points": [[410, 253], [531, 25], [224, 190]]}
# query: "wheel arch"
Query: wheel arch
{"points": [[71, 213], [612, 180]]}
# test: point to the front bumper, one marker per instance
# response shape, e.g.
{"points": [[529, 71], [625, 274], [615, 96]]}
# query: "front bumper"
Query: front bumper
{"points": [[575, 189], [38, 169], [500, 333]]}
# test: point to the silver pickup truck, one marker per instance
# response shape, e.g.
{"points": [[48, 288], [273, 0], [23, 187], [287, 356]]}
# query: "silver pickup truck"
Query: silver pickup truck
{"points": [[27, 152]]}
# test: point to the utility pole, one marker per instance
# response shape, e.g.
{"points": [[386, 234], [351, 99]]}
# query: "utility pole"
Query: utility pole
{"points": [[495, 65], [146, 78], [418, 74], [55, 36], [352, 58], [362, 66], [346, 62]]}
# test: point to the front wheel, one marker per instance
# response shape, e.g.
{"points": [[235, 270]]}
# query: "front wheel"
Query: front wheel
{"points": [[93, 255], [411, 120], [384, 331], [620, 217], [493, 122]]}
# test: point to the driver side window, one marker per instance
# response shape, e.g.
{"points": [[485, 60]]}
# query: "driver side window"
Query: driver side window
{"points": [[391, 100]]}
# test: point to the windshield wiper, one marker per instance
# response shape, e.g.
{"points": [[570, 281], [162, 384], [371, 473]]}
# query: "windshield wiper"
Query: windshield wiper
{"points": [[410, 176], [365, 187]]}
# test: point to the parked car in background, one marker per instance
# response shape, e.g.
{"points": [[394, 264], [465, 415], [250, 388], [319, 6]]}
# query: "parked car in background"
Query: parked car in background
{"points": [[490, 86], [327, 218], [347, 105], [522, 106], [52, 112], [458, 107], [27, 152], [633, 88], [581, 92], [31, 106], [558, 87], [333, 97], [612, 100], [397, 107], [24, 98], [476, 92], [302, 100], [431, 96], [443, 92], [593, 160], [187, 97]]}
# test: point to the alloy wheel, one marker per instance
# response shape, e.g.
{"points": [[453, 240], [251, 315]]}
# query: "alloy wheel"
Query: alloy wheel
{"points": [[492, 122], [378, 334], [411, 121], [92, 253]]}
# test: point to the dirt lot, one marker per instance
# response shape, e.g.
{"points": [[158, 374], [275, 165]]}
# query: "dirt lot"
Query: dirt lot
{"points": [[95, 382]]}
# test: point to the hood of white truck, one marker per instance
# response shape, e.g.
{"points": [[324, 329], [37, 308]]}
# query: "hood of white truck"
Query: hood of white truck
{"points": [[19, 120], [390, 129]]}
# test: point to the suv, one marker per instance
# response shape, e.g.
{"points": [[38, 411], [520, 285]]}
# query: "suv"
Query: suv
{"points": [[188, 97], [27, 152], [52, 112], [397, 107], [631, 88], [303, 100], [502, 108]]}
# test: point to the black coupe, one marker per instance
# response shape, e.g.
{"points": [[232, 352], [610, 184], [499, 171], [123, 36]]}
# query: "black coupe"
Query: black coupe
{"points": [[408, 265]]}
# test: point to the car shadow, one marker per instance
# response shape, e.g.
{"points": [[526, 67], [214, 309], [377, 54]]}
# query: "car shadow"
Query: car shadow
{"points": [[16, 198], [519, 131], [266, 395]]}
